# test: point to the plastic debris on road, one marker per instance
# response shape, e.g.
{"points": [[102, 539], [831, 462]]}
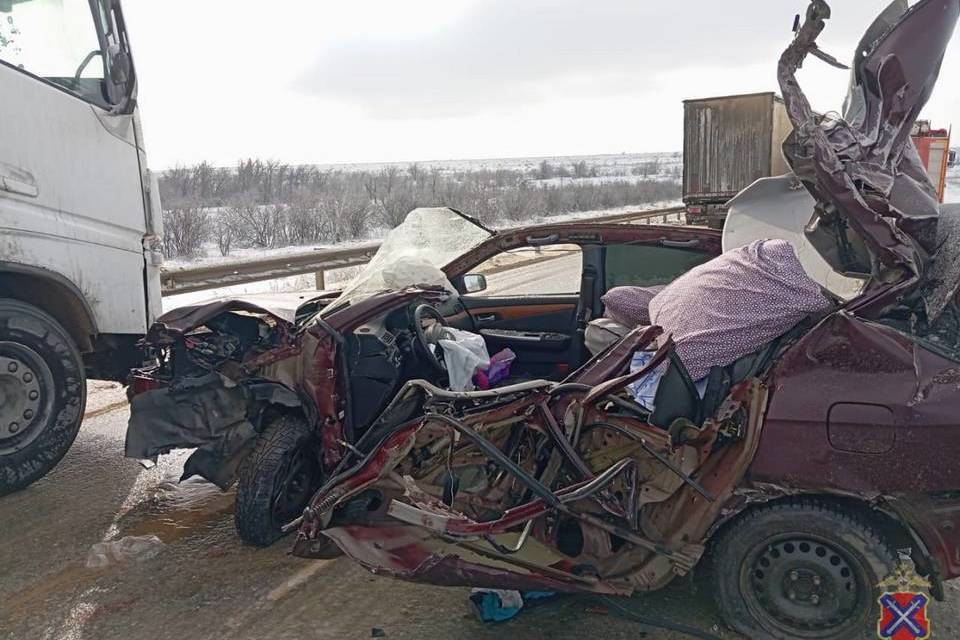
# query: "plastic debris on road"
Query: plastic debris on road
{"points": [[498, 605], [104, 554]]}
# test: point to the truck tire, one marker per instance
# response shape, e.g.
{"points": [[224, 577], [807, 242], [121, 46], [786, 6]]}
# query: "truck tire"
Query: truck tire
{"points": [[277, 480], [43, 393], [801, 569]]}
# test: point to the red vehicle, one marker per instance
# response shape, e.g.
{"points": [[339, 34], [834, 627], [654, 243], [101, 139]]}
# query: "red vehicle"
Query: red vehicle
{"points": [[803, 468], [829, 449], [274, 400]]}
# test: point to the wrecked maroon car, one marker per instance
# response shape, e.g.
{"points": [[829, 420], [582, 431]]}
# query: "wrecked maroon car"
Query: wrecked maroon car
{"points": [[805, 469], [275, 400]]}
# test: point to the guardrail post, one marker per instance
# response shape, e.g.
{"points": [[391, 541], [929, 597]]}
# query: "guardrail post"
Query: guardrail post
{"points": [[320, 280]]}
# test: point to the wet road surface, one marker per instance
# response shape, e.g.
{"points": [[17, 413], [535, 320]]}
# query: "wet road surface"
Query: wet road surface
{"points": [[205, 584]]}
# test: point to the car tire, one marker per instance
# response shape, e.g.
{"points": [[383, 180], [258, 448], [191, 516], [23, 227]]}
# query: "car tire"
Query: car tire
{"points": [[43, 393], [800, 569], [277, 480]]}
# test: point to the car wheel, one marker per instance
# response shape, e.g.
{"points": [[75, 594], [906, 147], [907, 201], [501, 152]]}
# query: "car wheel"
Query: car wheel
{"points": [[277, 480], [43, 392], [800, 569]]}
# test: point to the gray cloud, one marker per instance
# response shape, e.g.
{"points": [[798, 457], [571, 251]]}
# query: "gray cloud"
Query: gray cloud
{"points": [[505, 51]]}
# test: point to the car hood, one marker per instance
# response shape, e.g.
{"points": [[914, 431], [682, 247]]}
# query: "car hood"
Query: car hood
{"points": [[876, 211]]}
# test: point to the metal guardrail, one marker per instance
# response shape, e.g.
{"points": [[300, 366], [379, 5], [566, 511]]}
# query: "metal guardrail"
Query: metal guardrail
{"points": [[176, 280]]}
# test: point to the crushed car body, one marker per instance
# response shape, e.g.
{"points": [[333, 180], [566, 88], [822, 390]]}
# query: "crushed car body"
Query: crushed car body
{"points": [[231, 376], [844, 425]]}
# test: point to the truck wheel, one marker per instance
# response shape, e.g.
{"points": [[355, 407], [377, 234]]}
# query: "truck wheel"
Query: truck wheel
{"points": [[801, 569], [43, 392], [277, 480]]}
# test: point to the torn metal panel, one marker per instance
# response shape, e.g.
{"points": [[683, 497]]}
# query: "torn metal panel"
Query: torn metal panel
{"points": [[526, 517], [184, 319], [863, 170], [205, 414]]}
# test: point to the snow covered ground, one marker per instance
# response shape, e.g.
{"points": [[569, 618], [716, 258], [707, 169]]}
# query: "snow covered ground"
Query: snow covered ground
{"points": [[619, 164]]}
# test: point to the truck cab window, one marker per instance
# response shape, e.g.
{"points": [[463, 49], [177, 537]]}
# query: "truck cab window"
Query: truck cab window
{"points": [[55, 40]]}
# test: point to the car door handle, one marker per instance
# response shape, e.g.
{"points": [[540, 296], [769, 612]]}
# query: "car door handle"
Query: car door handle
{"points": [[16, 180], [488, 317]]}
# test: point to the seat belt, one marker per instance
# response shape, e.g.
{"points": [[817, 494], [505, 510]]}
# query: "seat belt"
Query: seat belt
{"points": [[577, 354]]}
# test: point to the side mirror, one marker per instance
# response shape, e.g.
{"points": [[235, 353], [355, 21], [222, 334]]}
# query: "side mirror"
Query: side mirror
{"points": [[474, 283], [119, 79]]}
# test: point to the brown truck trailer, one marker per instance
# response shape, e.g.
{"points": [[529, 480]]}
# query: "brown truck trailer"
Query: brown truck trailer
{"points": [[731, 141], [728, 143]]}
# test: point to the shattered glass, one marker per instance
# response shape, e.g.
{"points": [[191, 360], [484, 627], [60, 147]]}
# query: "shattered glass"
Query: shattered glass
{"points": [[414, 253]]}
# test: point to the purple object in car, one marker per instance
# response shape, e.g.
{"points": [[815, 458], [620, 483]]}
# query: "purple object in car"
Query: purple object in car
{"points": [[736, 303], [498, 371], [629, 306]]}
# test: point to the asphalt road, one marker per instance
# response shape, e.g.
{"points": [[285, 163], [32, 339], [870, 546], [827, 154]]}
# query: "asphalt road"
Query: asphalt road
{"points": [[553, 276]]}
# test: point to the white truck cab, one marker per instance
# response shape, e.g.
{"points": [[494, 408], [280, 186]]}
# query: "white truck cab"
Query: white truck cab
{"points": [[79, 223]]}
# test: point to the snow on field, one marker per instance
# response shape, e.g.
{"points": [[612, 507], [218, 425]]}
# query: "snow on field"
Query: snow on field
{"points": [[562, 181], [211, 255], [621, 164]]}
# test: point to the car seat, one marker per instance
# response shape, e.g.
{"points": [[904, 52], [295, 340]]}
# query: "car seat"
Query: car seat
{"points": [[677, 396], [601, 333]]}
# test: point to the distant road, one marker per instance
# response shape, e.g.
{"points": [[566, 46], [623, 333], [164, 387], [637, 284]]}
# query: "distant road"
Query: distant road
{"points": [[553, 276]]}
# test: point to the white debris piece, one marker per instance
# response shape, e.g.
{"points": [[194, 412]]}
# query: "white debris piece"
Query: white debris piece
{"points": [[103, 554], [414, 252]]}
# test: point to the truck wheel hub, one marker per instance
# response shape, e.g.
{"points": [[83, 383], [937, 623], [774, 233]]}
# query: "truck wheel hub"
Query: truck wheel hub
{"points": [[24, 382]]}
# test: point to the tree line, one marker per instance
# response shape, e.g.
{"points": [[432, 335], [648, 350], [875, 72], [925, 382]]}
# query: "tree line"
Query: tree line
{"points": [[264, 204]]}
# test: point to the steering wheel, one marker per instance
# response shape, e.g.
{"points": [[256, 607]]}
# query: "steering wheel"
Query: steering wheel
{"points": [[429, 325]]}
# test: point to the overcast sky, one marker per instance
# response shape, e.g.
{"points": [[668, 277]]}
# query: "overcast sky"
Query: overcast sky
{"points": [[388, 80]]}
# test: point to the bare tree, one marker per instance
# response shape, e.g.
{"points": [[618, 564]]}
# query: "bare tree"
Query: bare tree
{"points": [[392, 200], [260, 203], [224, 232], [184, 230]]}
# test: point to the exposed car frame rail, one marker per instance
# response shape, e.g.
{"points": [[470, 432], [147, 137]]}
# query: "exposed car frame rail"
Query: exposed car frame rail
{"points": [[176, 280]]}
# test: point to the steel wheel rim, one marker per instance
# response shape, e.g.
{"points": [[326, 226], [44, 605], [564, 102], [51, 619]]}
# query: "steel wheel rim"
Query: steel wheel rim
{"points": [[803, 584], [26, 396]]}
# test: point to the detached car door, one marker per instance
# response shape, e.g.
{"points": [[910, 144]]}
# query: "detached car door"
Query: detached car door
{"points": [[533, 290]]}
